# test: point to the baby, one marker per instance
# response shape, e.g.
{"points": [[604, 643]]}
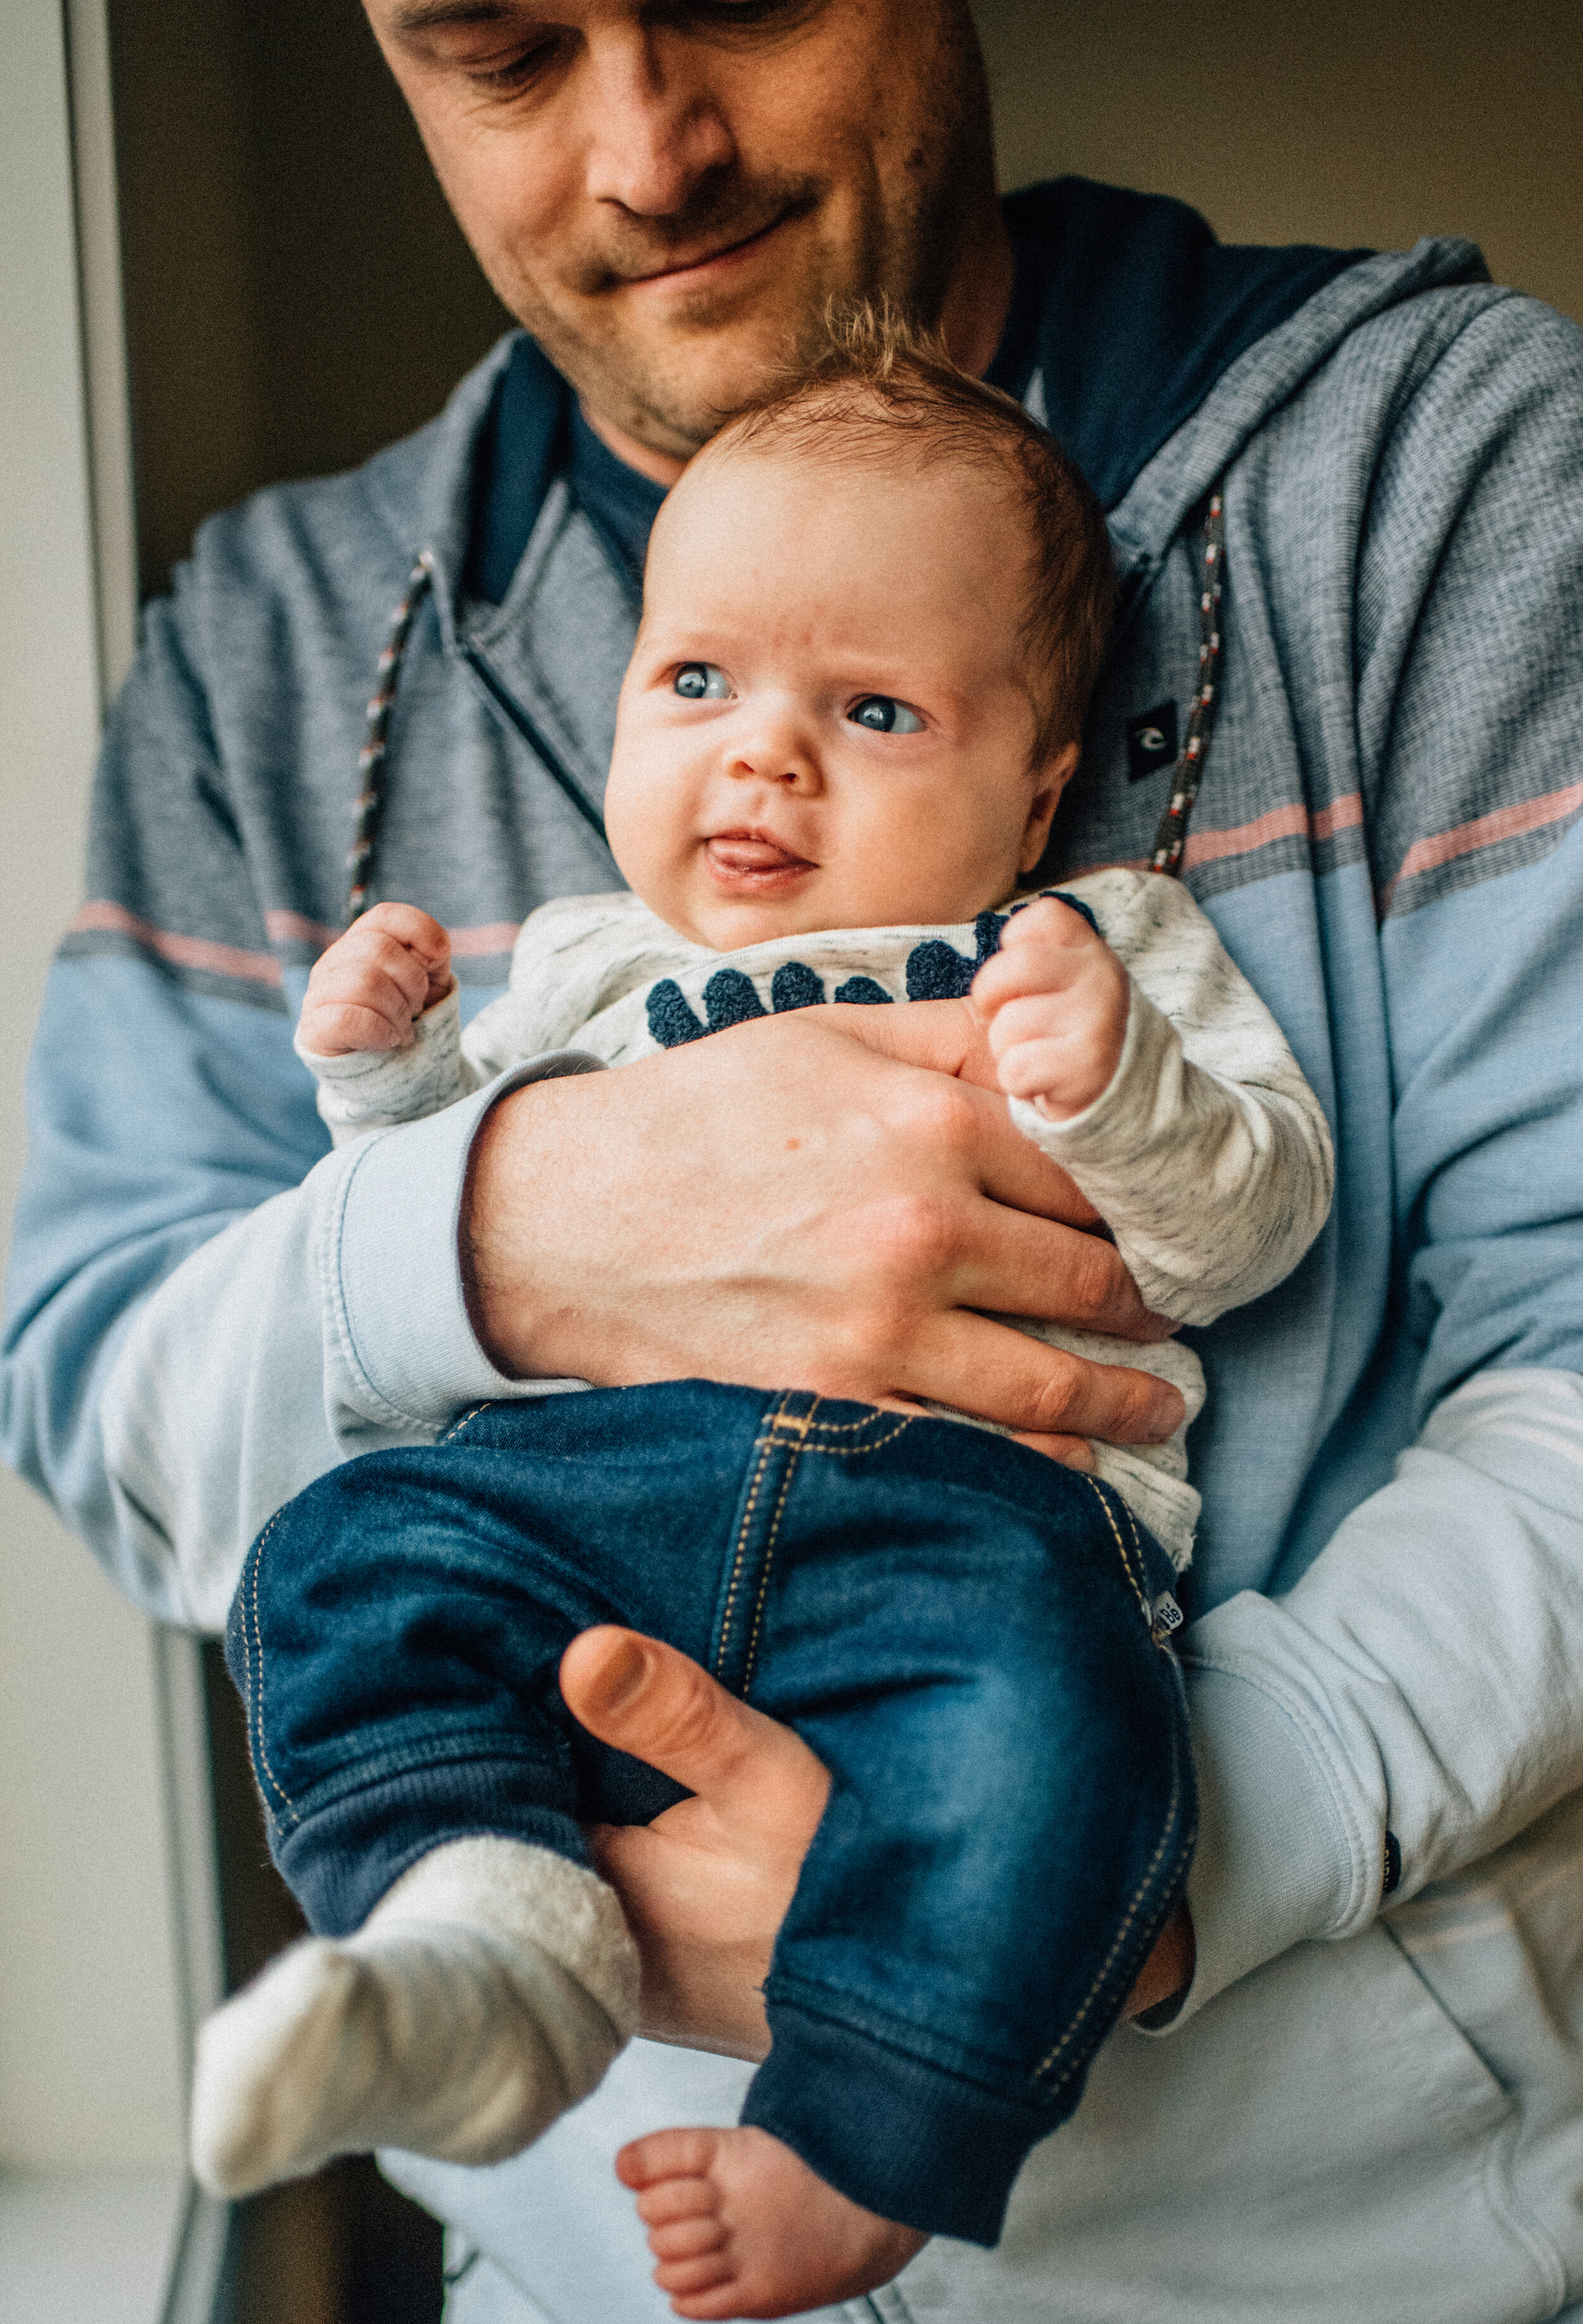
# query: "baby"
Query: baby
{"points": [[874, 610]]}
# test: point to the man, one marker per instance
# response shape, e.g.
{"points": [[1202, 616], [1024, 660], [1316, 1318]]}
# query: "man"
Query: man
{"points": [[1348, 2115]]}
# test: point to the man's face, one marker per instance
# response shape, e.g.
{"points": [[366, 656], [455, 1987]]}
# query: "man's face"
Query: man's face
{"points": [[669, 192]]}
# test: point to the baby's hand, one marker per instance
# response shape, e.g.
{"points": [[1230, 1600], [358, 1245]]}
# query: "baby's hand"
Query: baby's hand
{"points": [[1055, 999], [366, 990]]}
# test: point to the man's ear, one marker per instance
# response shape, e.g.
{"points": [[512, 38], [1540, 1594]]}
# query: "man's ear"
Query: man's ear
{"points": [[1052, 780]]}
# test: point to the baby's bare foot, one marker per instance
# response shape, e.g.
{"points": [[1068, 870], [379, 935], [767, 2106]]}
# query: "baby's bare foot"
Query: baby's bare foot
{"points": [[741, 2227]]}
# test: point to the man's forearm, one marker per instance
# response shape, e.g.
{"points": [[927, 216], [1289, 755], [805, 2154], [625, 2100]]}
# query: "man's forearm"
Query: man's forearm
{"points": [[328, 1322]]}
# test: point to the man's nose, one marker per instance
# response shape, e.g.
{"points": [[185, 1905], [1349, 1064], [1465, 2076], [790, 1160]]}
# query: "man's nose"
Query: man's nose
{"points": [[654, 130]]}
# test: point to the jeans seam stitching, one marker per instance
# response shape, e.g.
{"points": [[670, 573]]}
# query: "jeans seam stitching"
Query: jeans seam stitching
{"points": [[764, 1585], [247, 1694], [1166, 1837], [857, 1452], [457, 1426], [258, 1638], [762, 1448], [843, 1427], [1104, 1501]]}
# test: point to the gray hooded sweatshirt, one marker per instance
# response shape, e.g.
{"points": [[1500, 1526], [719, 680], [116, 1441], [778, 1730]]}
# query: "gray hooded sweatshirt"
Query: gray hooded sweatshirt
{"points": [[1371, 2105]]}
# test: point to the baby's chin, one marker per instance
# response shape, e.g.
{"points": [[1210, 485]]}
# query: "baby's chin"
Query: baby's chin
{"points": [[740, 915], [734, 923]]}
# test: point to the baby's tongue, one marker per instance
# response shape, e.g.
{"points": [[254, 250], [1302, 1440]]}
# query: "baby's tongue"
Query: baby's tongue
{"points": [[738, 854]]}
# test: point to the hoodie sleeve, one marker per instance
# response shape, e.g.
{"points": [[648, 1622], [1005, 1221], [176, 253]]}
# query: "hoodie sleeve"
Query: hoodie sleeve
{"points": [[1424, 1677], [204, 1310]]}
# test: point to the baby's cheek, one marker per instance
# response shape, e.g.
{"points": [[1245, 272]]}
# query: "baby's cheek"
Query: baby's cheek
{"points": [[648, 813]]}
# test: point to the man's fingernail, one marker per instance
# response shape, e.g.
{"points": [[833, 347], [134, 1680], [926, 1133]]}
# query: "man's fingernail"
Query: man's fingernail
{"points": [[622, 1675]]}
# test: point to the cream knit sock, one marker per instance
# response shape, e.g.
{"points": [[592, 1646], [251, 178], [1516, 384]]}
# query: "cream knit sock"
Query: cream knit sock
{"points": [[485, 1993]]}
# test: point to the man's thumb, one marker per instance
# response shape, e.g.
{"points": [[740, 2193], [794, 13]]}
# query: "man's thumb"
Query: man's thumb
{"points": [[942, 1037], [643, 1697]]}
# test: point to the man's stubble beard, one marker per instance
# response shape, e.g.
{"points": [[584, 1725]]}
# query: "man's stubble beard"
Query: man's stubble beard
{"points": [[672, 385], [671, 390]]}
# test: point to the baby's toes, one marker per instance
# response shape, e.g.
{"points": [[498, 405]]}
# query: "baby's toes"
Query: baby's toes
{"points": [[686, 2155], [687, 2239], [687, 2279], [678, 2199]]}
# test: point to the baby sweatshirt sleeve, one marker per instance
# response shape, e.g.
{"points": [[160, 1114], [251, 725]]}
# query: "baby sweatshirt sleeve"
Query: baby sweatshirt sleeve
{"points": [[376, 1088], [1208, 1155]]}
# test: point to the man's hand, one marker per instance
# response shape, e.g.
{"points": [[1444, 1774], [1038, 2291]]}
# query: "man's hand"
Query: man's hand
{"points": [[821, 1199], [706, 1884]]}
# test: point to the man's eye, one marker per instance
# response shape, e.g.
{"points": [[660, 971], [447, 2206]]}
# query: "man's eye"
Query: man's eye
{"points": [[510, 74], [882, 714], [702, 681]]}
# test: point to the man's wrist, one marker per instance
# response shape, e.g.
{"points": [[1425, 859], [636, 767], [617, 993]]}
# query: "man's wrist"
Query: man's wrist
{"points": [[493, 1235]]}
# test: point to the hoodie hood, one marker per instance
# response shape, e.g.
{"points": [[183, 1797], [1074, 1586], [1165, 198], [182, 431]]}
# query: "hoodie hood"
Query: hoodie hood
{"points": [[1127, 316], [1127, 310]]}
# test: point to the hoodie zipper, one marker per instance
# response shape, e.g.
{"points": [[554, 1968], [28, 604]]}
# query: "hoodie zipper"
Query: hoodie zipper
{"points": [[554, 766]]}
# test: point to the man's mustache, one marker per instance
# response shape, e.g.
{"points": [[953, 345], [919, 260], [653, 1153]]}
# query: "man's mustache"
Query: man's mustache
{"points": [[720, 212]]}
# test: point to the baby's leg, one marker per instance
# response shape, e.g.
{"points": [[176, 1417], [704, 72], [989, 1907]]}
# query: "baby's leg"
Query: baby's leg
{"points": [[486, 1992], [963, 1635], [397, 1638], [741, 2227]]}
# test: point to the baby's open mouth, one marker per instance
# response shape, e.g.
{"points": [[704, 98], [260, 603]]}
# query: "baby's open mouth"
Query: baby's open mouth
{"points": [[751, 859]]}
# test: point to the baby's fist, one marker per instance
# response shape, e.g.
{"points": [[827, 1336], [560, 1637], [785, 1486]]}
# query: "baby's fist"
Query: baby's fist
{"points": [[1055, 998], [366, 990]]}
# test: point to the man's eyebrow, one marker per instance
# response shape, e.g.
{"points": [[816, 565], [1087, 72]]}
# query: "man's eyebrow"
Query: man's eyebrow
{"points": [[415, 17]]}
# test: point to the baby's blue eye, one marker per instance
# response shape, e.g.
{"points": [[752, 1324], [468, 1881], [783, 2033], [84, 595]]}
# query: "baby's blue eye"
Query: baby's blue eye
{"points": [[882, 714], [700, 681]]}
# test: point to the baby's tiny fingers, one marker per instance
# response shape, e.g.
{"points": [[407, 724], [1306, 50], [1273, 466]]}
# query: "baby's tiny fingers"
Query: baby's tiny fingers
{"points": [[393, 988], [666, 2201], [689, 2238], [337, 1028], [1034, 968], [1048, 921], [420, 931], [1034, 1068], [1033, 1017], [372, 954]]}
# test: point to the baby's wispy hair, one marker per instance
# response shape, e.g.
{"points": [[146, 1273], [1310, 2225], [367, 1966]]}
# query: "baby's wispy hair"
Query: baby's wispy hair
{"points": [[880, 378]]}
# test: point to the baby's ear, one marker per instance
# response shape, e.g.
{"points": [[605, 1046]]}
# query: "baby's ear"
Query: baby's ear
{"points": [[1049, 782]]}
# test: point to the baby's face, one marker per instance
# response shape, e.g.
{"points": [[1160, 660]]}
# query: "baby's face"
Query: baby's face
{"points": [[827, 721]]}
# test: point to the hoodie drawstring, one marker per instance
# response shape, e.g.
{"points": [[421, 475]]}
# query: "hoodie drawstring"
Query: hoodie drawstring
{"points": [[371, 759], [1187, 773]]}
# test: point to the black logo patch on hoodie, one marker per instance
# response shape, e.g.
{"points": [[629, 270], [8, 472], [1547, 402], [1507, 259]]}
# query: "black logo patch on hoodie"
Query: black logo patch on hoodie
{"points": [[1152, 741]]}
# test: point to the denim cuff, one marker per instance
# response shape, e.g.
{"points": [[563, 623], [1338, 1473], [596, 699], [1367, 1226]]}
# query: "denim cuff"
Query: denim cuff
{"points": [[908, 2140], [394, 1275], [341, 1855]]}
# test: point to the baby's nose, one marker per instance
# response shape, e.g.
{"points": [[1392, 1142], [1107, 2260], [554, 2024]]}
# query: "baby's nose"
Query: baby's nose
{"points": [[782, 759]]}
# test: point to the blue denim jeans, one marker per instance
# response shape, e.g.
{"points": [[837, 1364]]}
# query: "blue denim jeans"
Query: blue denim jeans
{"points": [[968, 1635]]}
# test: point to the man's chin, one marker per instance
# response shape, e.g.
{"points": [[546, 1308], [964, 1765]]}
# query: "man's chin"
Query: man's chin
{"points": [[691, 384], [670, 369]]}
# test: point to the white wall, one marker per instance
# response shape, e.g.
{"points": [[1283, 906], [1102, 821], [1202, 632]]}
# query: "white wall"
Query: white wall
{"points": [[90, 2040], [1354, 123]]}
